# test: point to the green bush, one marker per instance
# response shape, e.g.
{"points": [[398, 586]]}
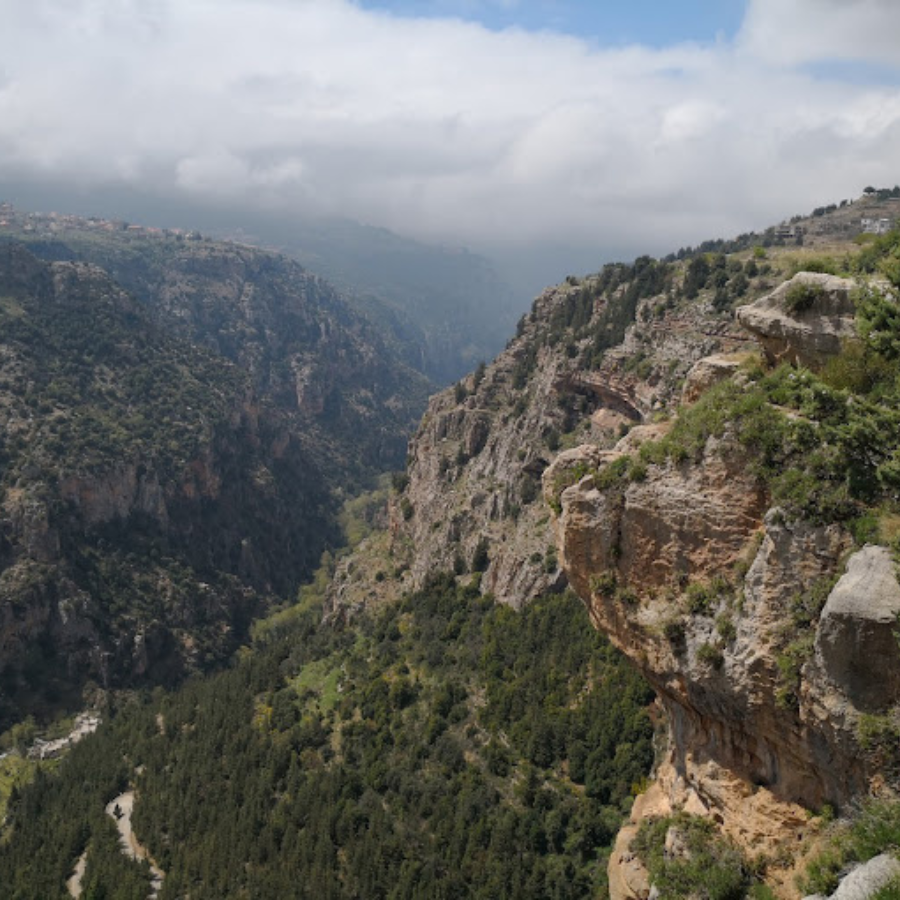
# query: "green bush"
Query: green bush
{"points": [[674, 631], [802, 296], [711, 869], [875, 830], [700, 598], [726, 628], [604, 583], [710, 655]]}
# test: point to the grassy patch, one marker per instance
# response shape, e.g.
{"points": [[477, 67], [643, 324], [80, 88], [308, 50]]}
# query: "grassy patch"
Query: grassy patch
{"points": [[15, 772], [11, 308], [320, 678]]}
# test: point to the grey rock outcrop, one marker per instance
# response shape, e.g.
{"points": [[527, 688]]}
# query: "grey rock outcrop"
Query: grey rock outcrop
{"points": [[803, 321], [856, 643], [865, 880], [476, 462]]}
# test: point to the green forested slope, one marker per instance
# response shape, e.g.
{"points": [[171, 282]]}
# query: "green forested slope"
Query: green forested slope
{"points": [[149, 503], [303, 345], [448, 748]]}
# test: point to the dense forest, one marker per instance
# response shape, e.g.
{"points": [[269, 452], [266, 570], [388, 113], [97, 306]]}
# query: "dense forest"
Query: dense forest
{"points": [[447, 747]]}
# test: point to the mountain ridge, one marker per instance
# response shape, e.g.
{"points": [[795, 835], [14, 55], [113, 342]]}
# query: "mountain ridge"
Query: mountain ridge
{"points": [[716, 511]]}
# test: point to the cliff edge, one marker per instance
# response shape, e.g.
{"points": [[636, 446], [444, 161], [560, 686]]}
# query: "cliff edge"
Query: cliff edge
{"points": [[728, 560]]}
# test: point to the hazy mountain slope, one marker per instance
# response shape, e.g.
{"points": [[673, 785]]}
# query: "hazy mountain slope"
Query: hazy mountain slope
{"points": [[303, 345], [445, 309]]}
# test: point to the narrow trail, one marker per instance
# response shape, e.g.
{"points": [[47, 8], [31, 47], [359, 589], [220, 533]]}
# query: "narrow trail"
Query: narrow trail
{"points": [[120, 809], [73, 885]]}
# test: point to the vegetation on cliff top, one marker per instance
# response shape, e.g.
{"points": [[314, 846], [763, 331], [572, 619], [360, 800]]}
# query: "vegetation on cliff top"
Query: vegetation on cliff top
{"points": [[687, 858]]}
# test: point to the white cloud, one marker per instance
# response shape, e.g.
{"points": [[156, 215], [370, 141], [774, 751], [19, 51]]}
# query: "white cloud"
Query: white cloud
{"points": [[788, 32], [446, 129]]}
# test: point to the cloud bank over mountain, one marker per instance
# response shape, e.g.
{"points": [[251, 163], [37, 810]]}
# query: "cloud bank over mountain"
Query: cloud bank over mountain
{"points": [[444, 129]]}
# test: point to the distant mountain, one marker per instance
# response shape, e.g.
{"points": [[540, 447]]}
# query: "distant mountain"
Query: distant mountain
{"points": [[177, 431], [444, 309], [304, 345], [150, 505]]}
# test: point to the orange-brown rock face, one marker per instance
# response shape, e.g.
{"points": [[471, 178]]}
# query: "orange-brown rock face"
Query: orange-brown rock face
{"points": [[679, 522], [654, 561]]}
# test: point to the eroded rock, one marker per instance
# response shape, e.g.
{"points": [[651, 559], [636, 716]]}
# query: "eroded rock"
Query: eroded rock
{"points": [[869, 878], [709, 371], [856, 642], [803, 321]]}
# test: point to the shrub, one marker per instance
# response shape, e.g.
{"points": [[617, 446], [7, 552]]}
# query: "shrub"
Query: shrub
{"points": [[674, 631], [726, 628], [551, 563], [529, 490], [700, 598], [712, 869], [604, 583], [710, 655], [875, 830], [481, 557], [790, 663], [613, 474], [802, 296]]}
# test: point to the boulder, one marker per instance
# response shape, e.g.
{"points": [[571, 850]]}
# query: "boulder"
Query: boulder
{"points": [[867, 880], [804, 321], [856, 642]]}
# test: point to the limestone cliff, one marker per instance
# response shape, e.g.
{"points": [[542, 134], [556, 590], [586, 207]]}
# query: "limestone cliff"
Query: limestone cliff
{"points": [[594, 358], [769, 672]]}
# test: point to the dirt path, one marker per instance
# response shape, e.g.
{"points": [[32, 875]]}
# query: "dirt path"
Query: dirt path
{"points": [[121, 809], [74, 883]]}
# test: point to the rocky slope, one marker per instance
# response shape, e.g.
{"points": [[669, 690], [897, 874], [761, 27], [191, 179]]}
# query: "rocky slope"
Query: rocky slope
{"points": [[150, 503], [593, 358]]}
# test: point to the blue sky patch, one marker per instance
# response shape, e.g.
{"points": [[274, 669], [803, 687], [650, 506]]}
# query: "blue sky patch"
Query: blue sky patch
{"points": [[653, 23]]}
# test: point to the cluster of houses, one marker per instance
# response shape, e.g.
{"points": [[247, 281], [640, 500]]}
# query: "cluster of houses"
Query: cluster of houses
{"points": [[876, 226]]}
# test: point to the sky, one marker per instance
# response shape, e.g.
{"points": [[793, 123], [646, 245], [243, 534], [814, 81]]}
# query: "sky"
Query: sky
{"points": [[608, 129]]}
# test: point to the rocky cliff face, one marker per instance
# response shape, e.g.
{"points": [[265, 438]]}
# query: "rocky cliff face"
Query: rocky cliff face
{"points": [[722, 595], [593, 359], [715, 594]]}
